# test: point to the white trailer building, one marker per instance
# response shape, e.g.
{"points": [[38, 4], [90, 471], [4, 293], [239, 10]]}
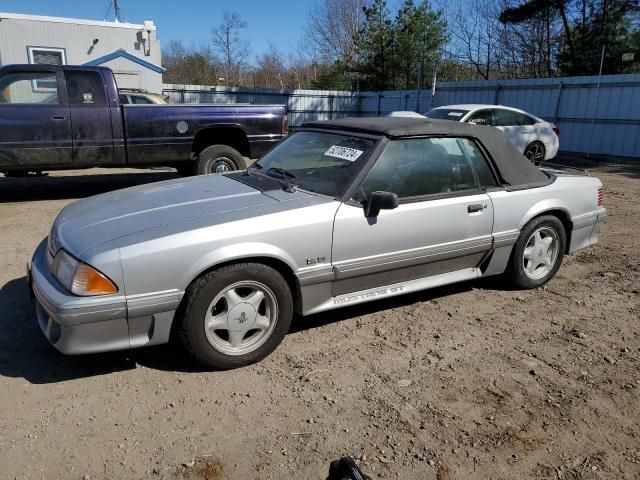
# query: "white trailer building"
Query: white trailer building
{"points": [[131, 51]]}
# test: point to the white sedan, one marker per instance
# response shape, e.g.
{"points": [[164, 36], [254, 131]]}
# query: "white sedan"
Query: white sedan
{"points": [[533, 136]]}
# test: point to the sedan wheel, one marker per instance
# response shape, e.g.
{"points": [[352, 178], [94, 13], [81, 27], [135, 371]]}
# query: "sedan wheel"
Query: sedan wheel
{"points": [[236, 315], [535, 152]]}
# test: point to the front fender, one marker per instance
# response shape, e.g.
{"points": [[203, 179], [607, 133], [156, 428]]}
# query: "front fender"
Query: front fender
{"points": [[234, 252]]}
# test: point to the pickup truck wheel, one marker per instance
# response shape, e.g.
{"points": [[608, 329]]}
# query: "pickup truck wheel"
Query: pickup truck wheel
{"points": [[219, 159], [538, 253], [236, 315]]}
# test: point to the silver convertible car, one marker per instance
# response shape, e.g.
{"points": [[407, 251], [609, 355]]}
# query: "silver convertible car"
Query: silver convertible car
{"points": [[341, 212]]}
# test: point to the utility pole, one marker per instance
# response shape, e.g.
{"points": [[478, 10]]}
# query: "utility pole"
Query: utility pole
{"points": [[595, 107], [118, 12], [420, 72]]}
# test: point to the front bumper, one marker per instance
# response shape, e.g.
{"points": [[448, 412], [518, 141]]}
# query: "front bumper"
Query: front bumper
{"points": [[76, 325]]}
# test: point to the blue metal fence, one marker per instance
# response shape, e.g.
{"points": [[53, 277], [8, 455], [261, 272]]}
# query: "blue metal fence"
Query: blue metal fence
{"points": [[596, 116]]}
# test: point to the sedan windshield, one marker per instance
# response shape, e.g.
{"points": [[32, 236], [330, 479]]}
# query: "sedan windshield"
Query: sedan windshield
{"points": [[319, 162], [446, 114]]}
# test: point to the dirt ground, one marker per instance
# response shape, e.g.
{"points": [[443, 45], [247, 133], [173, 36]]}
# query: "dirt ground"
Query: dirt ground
{"points": [[469, 381]]}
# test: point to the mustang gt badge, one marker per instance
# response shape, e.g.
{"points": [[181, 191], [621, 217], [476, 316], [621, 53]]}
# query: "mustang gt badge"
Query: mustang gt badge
{"points": [[314, 261]]}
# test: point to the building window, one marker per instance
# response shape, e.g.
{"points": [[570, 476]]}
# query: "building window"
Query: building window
{"points": [[47, 56]]}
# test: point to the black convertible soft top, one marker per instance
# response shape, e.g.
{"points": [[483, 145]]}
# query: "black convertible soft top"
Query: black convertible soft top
{"points": [[514, 168]]}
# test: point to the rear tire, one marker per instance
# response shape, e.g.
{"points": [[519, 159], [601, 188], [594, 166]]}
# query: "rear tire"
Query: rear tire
{"points": [[535, 152], [538, 253], [219, 159], [236, 315]]}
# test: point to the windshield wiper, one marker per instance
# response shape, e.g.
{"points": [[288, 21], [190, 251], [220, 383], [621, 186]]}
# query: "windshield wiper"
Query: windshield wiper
{"points": [[256, 165], [285, 175]]}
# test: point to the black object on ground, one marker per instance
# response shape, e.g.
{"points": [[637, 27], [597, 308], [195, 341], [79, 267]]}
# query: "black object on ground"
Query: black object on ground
{"points": [[346, 469]]}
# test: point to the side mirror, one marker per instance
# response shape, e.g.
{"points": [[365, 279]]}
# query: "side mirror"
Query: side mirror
{"points": [[380, 201]]}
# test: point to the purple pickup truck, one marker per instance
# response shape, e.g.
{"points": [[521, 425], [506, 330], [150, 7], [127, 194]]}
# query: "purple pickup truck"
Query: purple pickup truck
{"points": [[68, 117]]}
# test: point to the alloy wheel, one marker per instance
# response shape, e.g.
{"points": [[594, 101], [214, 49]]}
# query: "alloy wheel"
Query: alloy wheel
{"points": [[535, 153], [241, 318], [540, 253]]}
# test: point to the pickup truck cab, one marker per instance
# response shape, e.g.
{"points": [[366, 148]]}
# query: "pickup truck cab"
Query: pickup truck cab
{"points": [[69, 117]]}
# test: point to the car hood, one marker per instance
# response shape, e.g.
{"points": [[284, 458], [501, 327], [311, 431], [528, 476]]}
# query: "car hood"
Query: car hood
{"points": [[105, 217]]}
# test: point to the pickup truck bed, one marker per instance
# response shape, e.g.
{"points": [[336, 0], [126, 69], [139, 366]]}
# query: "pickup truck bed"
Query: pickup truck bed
{"points": [[67, 117]]}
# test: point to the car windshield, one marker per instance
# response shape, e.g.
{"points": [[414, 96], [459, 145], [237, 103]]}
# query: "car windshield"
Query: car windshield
{"points": [[446, 114], [319, 162]]}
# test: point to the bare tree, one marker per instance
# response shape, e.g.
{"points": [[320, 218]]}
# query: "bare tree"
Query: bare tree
{"points": [[271, 69], [302, 65], [494, 49], [475, 35], [333, 26], [233, 49], [530, 47], [195, 65]]}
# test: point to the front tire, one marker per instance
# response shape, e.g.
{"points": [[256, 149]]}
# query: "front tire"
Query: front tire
{"points": [[219, 159], [538, 253], [236, 315], [535, 152]]}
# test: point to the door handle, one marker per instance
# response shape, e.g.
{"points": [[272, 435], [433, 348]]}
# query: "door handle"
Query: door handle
{"points": [[58, 117], [476, 207]]}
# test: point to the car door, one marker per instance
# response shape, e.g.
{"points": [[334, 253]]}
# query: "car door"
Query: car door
{"points": [[513, 124], [443, 223], [91, 128], [34, 118], [528, 130]]}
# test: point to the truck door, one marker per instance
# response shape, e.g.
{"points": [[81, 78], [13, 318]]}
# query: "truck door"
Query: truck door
{"points": [[34, 118], [91, 129]]}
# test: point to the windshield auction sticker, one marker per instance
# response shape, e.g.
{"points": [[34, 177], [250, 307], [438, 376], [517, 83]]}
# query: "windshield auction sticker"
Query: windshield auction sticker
{"points": [[455, 114], [345, 153]]}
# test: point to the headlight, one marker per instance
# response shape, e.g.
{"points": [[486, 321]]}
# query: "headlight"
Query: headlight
{"points": [[80, 278]]}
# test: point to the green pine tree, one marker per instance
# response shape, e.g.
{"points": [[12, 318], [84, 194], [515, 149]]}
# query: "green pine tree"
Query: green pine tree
{"points": [[420, 35]]}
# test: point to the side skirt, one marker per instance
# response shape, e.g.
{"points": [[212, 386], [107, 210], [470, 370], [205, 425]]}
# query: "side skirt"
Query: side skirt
{"points": [[317, 298]]}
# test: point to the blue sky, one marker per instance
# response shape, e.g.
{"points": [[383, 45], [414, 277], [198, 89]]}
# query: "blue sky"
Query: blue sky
{"points": [[279, 21]]}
